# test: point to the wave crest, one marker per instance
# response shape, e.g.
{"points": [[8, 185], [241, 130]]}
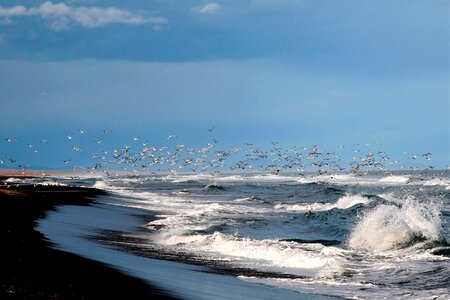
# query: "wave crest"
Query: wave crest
{"points": [[263, 255], [394, 179], [101, 185], [344, 202], [390, 227]]}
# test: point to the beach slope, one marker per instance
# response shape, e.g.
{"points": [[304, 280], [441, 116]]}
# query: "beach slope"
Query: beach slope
{"points": [[31, 269]]}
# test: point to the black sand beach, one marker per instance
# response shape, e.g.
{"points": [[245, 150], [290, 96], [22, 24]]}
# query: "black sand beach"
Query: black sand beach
{"points": [[31, 269]]}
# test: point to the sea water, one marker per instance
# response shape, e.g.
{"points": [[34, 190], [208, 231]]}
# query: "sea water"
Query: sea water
{"points": [[342, 235]]}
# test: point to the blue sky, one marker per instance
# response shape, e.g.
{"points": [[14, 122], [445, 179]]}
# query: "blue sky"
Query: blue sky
{"points": [[301, 72]]}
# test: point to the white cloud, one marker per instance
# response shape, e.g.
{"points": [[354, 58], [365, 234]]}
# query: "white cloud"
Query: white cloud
{"points": [[18, 10], [60, 15], [209, 8]]}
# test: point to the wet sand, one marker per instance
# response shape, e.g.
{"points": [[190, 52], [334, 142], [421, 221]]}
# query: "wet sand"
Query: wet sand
{"points": [[31, 269]]}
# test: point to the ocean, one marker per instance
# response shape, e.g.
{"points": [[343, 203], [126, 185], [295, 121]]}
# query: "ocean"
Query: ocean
{"points": [[257, 236]]}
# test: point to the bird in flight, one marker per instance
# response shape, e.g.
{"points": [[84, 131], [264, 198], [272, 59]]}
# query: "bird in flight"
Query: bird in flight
{"points": [[10, 140]]}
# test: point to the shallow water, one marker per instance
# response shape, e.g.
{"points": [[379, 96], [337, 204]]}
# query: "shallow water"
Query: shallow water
{"points": [[372, 236]]}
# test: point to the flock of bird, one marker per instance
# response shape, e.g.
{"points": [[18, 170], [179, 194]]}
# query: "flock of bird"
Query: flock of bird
{"points": [[142, 156]]}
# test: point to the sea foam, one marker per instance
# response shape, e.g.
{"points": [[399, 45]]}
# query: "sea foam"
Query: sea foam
{"points": [[344, 202], [394, 179], [388, 227], [263, 255], [100, 184]]}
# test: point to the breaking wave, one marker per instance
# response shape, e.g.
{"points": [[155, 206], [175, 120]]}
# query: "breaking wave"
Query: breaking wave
{"points": [[344, 202], [101, 185], [263, 255], [394, 179], [388, 227], [230, 178], [52, 183]]}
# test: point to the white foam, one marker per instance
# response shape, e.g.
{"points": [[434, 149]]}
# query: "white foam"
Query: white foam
{"points": [[394, 179], [52, 183], [248, 200], [305, 180], [370, 180], [230, 178], [348, 289], [185, 178], [388, 226], [101, 185], [14, 180], [437, 182], [344, 202], [348, 201], [263, 255], [340, 179]]}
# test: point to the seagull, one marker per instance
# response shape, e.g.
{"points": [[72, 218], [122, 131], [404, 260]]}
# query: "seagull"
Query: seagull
{"points": [[427, 156], [44, 141], [69, 137], [171, 136], [82, 131], [211, 129], [11, 140], [99, 141]]}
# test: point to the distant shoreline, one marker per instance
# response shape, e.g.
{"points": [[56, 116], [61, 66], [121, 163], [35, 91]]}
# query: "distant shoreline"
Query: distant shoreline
{"points": [[16, 173]]}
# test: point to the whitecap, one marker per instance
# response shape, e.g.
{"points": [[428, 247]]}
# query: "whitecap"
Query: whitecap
{"points": [[344, 202], [389, 227], [101, 185], [394, 179], [437, 182], [14, 180], [52, 183], [263, 255]]}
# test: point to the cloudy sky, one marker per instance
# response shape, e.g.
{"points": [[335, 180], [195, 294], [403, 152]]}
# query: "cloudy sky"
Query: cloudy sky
{"points": [[297, 71]]}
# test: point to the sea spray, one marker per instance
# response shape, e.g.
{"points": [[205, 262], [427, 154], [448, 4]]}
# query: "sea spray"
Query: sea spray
{"points": [[388, 227], [100, 184]]}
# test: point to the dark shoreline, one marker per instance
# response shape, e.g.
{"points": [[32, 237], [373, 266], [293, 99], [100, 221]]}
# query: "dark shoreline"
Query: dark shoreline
{"points": [[31, 269]]}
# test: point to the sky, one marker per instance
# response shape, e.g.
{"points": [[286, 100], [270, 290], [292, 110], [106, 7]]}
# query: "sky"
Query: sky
{"points": [[295, 71]]}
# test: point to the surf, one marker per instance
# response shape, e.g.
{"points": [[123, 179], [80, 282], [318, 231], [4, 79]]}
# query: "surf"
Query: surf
{"points": [[390, 227]]}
